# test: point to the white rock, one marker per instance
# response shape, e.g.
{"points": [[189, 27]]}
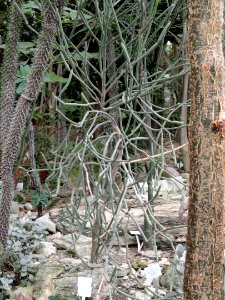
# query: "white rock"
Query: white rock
{"points": [[28, 206], [81, 245], [142, 296], [48, 289], [185, 176], [45, 248], [170, 172], [15, 208], [45, 221], [23, 293], [51, 238], [171, 185], [88, 225]]}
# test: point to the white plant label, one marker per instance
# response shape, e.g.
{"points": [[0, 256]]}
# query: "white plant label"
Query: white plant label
{"points": [[135, 232], [84, 287], [19, 186], [152, 271]]}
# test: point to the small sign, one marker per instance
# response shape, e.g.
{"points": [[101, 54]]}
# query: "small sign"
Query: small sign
{"points": [[135, 232], [19, 186], [152, 271], [137, 235], [84, 287]]}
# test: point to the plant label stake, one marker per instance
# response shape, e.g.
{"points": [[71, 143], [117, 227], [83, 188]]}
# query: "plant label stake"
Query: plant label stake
{"points": [[137, 235], [84, 287]]}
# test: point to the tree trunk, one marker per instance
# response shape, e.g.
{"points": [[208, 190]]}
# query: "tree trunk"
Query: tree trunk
{"points": [[183, 117], [35, 174], [205, 237]]}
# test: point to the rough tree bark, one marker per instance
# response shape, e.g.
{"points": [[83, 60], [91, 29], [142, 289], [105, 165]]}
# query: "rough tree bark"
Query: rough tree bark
{"points": [[205, 238]]}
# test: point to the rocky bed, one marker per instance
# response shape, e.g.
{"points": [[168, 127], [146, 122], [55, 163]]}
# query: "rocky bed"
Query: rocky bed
{"points": [[61, 254]]}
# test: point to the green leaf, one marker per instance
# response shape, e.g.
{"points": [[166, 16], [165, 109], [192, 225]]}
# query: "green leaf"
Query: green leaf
{"points": [[19, 79], [27, 51], [54, 298], [72, 13], [37, 115], [25, 45], [53, 78], [40, 199], [24, 70], [21, 87], [31, 4]]}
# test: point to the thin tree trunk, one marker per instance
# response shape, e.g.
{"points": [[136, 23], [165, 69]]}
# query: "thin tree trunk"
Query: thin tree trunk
{"points": [[61, 122], [205, 237], [148, 220], [183, 130], [35, 175]]}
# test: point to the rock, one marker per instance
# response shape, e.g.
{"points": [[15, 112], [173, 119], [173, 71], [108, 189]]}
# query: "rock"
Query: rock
{"points": [[15, 209], [62, 281], [141, 296], [61, 217], [170, 172], [51, 269], [13, 218], [123, 241], [28, 206], [56, 235], [71, 263], [45, 248], [176, 197], [48, 289], [23, 293], [88, 199], [173, 275], [82, 245], [123, 272], [67, 287], [185, 176], [45, 221], [32, 215], [151, 253], [171, 185]]}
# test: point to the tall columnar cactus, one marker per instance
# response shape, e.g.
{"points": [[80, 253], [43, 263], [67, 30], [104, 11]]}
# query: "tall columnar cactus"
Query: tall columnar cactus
{"points": [[19, 119], [8, 72]]}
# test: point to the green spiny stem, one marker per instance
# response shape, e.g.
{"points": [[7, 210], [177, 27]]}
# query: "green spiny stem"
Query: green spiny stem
{"points": [[8, 72], [22, 111]]}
